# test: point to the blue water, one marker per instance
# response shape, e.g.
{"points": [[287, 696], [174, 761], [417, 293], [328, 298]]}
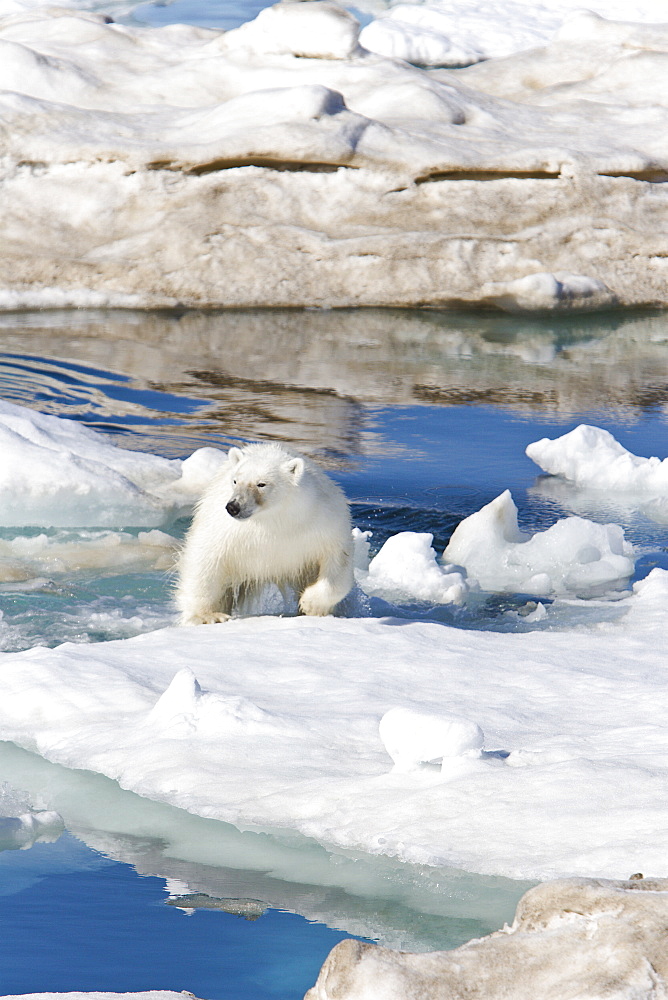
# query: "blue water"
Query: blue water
{"points": [[72, 919], [421, 432]]}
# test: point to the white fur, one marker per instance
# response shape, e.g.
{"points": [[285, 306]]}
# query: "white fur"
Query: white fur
{"points": [[292, 529]]}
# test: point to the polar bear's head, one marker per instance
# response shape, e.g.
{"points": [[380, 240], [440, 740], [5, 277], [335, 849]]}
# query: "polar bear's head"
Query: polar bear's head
{"points": [[257, 477]]}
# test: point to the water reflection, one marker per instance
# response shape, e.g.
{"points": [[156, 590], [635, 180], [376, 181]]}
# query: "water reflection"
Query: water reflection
{"points": [[309, 377], [405, 906]]}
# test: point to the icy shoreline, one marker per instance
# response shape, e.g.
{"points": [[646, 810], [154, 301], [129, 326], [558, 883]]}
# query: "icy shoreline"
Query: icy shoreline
{"points": [[283, 164]]}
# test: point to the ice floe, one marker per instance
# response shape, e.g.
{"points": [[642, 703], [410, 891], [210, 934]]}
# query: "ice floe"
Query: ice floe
{"points": [[574, 556], [274, 725], [406, 568], [29, 557], [592, 458], [57, 472], [282, 163]]}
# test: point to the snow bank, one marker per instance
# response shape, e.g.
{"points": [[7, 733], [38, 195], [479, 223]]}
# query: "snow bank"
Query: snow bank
{"points": [[273, 724], [282, 164], [590, 457], [57, 472], [574, 556], [460, 32], [327, 32]]}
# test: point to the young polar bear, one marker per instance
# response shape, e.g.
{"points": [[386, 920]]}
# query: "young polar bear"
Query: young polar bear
{"points": [[268, 516]]}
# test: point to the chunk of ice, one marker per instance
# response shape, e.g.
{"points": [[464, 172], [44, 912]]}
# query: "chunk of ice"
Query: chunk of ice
{"points": [[574, 556]]}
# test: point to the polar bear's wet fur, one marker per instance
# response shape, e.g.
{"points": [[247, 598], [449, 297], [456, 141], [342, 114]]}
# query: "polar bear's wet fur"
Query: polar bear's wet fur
{"points": [[268, 516]]}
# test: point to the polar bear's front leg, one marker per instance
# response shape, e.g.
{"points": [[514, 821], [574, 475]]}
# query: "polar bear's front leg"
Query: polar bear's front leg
{"points": [[335, 580], [201, 594]]}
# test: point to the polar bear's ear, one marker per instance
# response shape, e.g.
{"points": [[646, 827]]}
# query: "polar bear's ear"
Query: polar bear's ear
{"points": [[234, 456], [294, 468]]}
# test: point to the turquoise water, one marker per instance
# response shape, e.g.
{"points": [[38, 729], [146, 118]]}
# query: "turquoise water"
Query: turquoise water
{"points": [[422, 418]]}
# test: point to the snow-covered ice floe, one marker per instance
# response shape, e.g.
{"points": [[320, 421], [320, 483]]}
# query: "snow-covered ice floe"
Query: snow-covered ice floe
{"points": [[29, 557], [75, 995], [273, 723], [283, 163], [57, 472]]}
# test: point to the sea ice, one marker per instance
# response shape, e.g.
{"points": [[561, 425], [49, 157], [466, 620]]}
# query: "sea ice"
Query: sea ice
{"points": [[460, 32], [329, 32], [574, 556], [75, 995], [57, 472], [281, 163], [278, 729], [592, 458], [406, 569], [28, 557], [584, 938]]}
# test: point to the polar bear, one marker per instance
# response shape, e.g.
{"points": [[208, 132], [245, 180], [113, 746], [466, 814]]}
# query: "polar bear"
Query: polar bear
{"points": [[268, 516]]}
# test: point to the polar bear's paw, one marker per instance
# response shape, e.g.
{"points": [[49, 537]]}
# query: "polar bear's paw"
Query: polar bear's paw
{"points": [[318, 599], [206, 618]]}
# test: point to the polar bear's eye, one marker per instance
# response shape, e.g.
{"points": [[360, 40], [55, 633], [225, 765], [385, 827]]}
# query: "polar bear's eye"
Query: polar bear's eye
{"points": [[234, 482], [261, 485]]}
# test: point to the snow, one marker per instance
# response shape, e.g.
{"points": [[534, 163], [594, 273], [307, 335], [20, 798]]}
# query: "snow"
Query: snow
{"points": [[612, 932], [57, 472], [329, 32], [574, 556], [460, 32], [528, 182], [416, 738], [272, 724], [282, 163]]}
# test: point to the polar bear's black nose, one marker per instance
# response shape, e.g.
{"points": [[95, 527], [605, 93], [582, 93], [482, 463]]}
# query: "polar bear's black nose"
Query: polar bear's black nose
{"points": [[233, 508]]}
